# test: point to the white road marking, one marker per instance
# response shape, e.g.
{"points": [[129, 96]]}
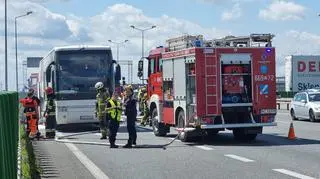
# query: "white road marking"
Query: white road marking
{"points": [[204, 147], [94, 170], [293, 174], [239, 158], [283, 122]]}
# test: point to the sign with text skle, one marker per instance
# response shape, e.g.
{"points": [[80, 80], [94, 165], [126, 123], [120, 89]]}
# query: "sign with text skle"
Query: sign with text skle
{"points": [[305, 72]]}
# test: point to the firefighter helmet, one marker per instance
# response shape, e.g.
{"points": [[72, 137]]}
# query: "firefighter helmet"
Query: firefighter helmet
{"points": [[99, 85], [49, 90], [143, 90]]}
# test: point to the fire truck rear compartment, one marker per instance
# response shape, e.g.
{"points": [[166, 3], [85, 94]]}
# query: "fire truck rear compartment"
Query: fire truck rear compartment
{"points": [[234, 115]]}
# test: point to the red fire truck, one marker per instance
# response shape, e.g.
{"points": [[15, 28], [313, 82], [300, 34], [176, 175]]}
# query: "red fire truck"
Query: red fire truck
{"points": [[226, 83]]}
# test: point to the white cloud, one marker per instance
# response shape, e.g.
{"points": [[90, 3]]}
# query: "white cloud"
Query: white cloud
{"points": [[232, 14], [283, 10], [42, 30], [295, 43]]}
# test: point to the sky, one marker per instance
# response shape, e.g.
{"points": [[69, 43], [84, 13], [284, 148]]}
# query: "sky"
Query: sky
{"points": [[295, 25]]}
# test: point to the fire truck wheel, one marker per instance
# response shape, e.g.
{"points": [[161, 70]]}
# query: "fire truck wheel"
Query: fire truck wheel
{"points": [[184, 136], [239, 134], [159, 129], [212, 132]]}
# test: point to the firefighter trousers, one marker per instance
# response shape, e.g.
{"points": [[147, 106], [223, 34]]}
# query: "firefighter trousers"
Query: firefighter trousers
{"points": [[113, 129], [51, 124], [131, 127], [145, 117], [32, 124], [103, 124]]}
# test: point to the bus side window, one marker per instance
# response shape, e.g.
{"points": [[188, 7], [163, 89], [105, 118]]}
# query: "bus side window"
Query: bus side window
{"points": [[53, 79]]}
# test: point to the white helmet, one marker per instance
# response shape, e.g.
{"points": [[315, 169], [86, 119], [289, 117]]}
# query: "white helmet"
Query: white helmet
{"points": [[99, 85]]}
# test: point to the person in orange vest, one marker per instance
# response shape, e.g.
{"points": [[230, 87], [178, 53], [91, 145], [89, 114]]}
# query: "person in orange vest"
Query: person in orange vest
{"points": [[31, 104], [50, 113]]}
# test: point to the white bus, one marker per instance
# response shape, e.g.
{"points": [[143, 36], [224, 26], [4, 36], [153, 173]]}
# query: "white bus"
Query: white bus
{"points": [[72, 72]]}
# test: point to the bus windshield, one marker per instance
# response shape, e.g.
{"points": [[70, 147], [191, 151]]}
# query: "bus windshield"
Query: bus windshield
{"points": [[78, 71]]}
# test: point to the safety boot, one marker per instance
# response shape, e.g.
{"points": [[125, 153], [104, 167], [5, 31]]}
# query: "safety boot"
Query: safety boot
{"points": [[114, 146], [103, 137]]}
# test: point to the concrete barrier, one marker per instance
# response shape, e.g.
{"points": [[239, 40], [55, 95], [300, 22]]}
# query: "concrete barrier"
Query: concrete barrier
{"points": [[284, 102]]}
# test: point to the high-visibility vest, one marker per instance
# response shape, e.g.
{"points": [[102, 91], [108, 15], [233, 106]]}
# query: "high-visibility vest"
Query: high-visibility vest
{"points": [[115, 114]]}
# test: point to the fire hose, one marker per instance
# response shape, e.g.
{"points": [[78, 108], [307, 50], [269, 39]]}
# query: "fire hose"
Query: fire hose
{"points": [[63, 139]]}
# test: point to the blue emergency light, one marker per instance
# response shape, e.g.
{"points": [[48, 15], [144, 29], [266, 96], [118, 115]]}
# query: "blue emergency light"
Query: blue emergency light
{"points": [[268, 50]]}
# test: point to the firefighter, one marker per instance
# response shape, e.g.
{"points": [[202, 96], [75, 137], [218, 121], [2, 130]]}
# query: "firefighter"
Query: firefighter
{"points": [[114, 111], [142, 91], [145, 110], [131, 113], [102, 99], [50, 113], [31, 104]]}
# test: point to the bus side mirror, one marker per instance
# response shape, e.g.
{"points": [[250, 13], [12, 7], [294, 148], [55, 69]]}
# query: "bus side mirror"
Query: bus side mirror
{"points": [[113, 61], [118, 73]]}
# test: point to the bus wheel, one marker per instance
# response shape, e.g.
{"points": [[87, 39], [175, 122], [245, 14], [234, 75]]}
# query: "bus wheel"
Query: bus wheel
{"points": [[159, 129]]}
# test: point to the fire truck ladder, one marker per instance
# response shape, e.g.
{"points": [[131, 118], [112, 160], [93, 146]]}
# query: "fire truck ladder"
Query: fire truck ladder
{"points": [[207, 77]]}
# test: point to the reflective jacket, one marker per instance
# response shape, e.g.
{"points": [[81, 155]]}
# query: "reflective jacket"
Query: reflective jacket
{"points": [[115, 114], [102, 98], [51, 107]]}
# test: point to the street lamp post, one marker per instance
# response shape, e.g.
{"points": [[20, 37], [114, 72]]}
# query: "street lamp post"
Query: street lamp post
{"points": [[16, 44], [118, 45], [142, 36], [5, 47]]}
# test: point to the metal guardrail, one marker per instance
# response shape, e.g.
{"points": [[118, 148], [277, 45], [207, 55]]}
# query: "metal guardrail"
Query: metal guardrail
{"points": [[9, 137]]}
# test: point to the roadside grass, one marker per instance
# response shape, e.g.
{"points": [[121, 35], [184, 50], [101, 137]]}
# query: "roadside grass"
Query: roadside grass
{"points": [[29, 166]]}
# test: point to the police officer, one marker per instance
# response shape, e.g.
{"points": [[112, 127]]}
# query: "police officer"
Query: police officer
{"points": [[114, 111], [131, 113], [102, 98], [50, 113]]}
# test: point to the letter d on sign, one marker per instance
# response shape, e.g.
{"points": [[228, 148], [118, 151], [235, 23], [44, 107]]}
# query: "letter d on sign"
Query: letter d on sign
{"points": [[301, 66]]}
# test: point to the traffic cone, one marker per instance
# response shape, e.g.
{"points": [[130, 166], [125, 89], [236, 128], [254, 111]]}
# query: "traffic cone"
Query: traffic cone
{"points": [[291, 134]]}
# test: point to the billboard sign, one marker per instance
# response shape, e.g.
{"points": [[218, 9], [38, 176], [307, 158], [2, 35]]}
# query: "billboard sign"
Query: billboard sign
{"points": [[305, 72]]}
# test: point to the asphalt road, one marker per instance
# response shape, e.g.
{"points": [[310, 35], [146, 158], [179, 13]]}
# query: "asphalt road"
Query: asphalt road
{"points": [[272, 155]]}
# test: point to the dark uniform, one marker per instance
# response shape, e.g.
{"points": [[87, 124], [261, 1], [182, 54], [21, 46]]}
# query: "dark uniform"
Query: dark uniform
{"points": [[114, 122], [50, 116], [102, 99], [131, 113]]}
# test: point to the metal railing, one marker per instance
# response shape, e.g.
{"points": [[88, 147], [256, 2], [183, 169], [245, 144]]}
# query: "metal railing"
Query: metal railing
{"points": [[9, 122]]}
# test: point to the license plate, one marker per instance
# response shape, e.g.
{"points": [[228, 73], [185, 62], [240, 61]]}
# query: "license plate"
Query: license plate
{"points": [[86, 117]]}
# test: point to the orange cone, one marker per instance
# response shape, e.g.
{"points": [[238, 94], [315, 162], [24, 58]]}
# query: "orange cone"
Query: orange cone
{"points": [[291, 134]]}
